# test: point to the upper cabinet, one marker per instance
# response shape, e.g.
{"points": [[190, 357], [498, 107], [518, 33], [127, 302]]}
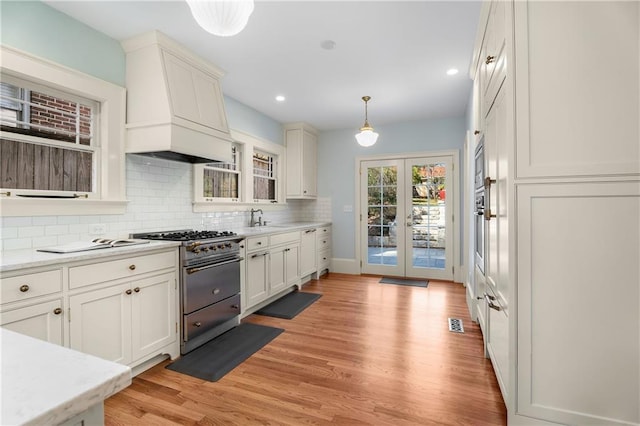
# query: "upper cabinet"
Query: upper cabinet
{"points": [[175, 106], [578, 84], [302, 163]]}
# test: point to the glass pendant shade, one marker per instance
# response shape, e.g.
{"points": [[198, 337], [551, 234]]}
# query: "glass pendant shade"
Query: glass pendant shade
{"points": [[366, 137], [221, 17]]}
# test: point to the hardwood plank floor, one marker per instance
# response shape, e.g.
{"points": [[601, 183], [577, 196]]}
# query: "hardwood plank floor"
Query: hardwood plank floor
{"points": [[364, 354]]}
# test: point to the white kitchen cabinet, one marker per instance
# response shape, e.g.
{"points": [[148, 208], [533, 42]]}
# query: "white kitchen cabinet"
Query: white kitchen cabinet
{"points": [[273, 266], [561, 137], [257, 283], [302, 163], [125, 309], [125, 322], [308, 252], [284, 267], [41, 320], [323, 250], [32, 304]]}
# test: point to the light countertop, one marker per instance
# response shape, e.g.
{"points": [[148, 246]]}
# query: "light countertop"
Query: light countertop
{"points": [[278, 228], [21, 259], [43, 383]]}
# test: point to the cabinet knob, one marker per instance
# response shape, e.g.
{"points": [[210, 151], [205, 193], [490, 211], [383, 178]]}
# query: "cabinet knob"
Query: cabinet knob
{"points": [[24, 288], [259, 243], [304, 191], [128, 291], [235, 306], [241, 245], [57, 311], [489, 59], [132, 267], [197, 324], [137, 289], [476, 132], [216, 291]]}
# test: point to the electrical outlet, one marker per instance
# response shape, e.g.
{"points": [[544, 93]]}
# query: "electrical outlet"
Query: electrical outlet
{"points": [[98, 229], [347, 208]]}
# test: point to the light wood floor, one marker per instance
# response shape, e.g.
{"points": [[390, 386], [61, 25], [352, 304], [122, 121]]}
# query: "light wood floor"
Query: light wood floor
{"points": [[364, 353]]}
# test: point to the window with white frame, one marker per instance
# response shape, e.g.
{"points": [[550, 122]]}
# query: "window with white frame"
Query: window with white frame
{"points": [[48, 141], [264, 176], [62, 144], [220, 181]]}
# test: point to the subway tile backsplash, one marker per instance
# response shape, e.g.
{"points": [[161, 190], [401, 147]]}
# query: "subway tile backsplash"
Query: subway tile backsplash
{"points": [[159, 193]]}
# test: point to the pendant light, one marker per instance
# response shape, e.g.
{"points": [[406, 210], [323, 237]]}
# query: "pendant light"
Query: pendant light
{"points": [[221, 17], [367, 136]]}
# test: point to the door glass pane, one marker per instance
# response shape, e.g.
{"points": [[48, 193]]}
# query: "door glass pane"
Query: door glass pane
{"points": [[381, 215], [428, 215]]}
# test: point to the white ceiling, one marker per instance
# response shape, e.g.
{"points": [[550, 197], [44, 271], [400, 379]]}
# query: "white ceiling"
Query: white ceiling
{"points": [[397, 52]]}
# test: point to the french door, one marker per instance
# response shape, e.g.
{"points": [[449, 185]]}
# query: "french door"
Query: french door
{"points": [[406, 217]]}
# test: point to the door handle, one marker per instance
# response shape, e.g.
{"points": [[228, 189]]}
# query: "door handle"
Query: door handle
{"points": [[487, 187]]}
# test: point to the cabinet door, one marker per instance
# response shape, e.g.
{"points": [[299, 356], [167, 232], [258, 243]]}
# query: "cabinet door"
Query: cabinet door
{"points": [[293, 139], [292, 265], [100, 323], [307, 252], [578, 351], [496, 153], [42, 321], [256, 285], [577, 116], [153, 314], [309, 165], [277, 265]]}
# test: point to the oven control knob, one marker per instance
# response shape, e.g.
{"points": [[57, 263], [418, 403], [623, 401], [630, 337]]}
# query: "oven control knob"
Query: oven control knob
{"points": [[228, 245], [214, 248], [197, 324], [205, 249], [221, 246], [196, 251]]}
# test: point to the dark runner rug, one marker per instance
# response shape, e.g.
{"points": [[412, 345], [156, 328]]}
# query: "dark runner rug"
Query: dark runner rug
{"points": [[216, 358], [290, 305], [400, 281]]}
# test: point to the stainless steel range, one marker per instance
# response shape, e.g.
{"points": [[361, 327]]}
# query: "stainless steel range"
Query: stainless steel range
{"points": [[209, 283]]}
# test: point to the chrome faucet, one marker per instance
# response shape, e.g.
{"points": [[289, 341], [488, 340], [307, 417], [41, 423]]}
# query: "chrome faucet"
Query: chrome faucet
{"points": [[253, 221]]}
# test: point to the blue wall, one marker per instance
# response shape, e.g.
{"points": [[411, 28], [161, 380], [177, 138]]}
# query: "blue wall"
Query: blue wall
{"points": [[337, 151]]}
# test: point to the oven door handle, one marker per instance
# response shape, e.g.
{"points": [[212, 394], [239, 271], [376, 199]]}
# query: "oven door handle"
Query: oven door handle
{"points": [[194, 270]]}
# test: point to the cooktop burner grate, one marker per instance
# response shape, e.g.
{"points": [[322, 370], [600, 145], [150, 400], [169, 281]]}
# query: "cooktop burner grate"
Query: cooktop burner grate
{"points": [[186, 235]]}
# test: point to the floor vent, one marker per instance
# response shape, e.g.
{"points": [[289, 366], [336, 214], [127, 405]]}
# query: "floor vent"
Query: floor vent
{"points": [[455, 325]]}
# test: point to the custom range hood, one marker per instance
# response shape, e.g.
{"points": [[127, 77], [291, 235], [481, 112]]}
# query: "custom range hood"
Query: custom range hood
{"points": [[175, 107]]}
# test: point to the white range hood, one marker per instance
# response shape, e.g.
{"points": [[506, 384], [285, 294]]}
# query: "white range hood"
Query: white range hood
{"points": [[175, 106]]}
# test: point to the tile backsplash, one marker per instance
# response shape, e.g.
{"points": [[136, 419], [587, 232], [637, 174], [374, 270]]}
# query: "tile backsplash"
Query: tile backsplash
{"points": [[159, 193]]}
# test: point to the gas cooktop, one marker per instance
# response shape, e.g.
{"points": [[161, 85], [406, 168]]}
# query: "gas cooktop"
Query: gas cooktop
{"points": [[184, 235]]}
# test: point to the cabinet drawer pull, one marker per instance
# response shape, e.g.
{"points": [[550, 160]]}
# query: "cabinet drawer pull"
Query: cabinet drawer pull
{"points": [[197, 324], [489, 59], [137, 289], [128, 291], [259, 243], [235, 306], [24, 288], [57, 311], [132, 267], [216, 291]]}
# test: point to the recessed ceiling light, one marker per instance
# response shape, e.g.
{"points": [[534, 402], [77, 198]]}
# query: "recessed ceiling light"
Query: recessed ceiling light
{"points": [[452, 71], [328, 45], [280, 98]]}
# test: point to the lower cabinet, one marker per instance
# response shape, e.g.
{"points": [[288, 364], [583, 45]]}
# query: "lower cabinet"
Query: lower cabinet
{"points": [[257, 283], [308, 252], [125, 322], [272, 265], [42, 321], [284, 267]]}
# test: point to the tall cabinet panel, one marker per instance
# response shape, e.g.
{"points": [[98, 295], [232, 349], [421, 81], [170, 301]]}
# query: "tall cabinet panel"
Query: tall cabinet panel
{"points": [[579, 293], [562, 150]]}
